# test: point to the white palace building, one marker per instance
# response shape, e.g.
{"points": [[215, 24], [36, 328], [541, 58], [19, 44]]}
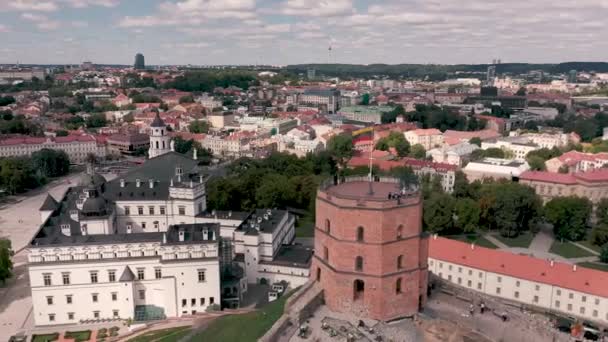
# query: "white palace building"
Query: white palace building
{"points": [[144, 246]]}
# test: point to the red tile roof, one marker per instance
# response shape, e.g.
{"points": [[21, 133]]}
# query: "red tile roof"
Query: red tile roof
{"points": [[454, 137], [520, 266], [427, 131], [543, 176], [42, 140], [596, 175], [411, 162]]}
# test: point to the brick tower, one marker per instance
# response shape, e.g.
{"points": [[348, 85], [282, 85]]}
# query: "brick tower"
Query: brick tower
{"points": [[370, 252]]}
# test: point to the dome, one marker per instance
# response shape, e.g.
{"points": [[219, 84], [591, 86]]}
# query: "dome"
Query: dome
{"points": [[158, 122], [94, 205], [94, 180]]}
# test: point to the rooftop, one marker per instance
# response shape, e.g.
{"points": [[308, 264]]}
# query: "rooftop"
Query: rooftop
{"points": [[262, 220], [292, 255], [520, 266], [360, 188]]}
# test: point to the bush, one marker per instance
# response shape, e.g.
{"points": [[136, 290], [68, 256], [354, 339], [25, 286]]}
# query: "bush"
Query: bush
{"points": [[78, 336], [213, 307], [604, 254]]}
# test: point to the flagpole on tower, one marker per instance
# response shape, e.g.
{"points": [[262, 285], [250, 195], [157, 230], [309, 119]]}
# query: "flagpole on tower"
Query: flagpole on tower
{"points": [[371, 165]]}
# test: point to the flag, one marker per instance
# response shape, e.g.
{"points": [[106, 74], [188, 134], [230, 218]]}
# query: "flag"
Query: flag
{"points": [[363, 134]]}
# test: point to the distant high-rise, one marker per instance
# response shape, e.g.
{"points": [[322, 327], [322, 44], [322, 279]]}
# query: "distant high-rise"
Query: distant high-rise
{"points": [[140, 63], [572, 76], [491, 74], [311, 74]]}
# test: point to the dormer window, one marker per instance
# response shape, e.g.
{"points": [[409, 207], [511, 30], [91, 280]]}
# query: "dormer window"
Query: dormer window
{"points": [[65, 226], [73, 212], [178, 171]]}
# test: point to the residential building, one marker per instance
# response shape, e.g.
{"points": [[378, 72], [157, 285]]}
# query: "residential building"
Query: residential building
{"points": [[219, 119], [129, 143], [495, 168], [232, 145], [428, 138], [458, 154], [365, 113], [574, 161], [77, 147], [592, 184], [518, 147], [325, 99], [454, 137], [558, 287], [370, 251]]}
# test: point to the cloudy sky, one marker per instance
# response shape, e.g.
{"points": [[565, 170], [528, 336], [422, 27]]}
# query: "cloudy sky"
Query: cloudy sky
{"points": [[284, 32]]}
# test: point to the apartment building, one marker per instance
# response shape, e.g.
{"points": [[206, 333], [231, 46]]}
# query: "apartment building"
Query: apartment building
{"points": [[518, 147], [365, 113], [574, 161], [495, 168], [546, 284], [428, 138]]}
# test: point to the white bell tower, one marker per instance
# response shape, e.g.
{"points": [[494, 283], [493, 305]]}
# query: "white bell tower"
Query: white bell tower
{"points": [[160, 141]]}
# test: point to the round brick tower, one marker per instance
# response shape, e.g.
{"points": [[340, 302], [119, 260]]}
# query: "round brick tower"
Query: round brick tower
{"points": [[370, 252]]}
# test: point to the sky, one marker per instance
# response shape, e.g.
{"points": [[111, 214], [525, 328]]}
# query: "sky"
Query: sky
{"points": [[282, 32]]}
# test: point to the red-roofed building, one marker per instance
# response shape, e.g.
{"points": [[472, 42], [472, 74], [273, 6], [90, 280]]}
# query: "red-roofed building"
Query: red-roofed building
{"points": [[548, 185], [455, 137], [445, 172], [77, 147], [556, 286], [428, 138], [496, 124], [577, 161]]}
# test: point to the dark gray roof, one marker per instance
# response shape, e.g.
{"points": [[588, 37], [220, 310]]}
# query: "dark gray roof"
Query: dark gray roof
{"points": [[158, 122], [94, 205], [127, 275], [266, 225], [93, 180], [49, 204], [226, 215], [193, 233], [292, 255], [161, 168]]}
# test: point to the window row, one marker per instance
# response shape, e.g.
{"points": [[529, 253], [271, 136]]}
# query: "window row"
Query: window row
{"points": [[201, 301], [96, 315], [361, 231], [69, 299], [94, 276], [152, 210]]}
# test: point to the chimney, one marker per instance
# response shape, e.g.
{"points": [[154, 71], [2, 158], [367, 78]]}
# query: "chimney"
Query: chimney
{"points": [[122, 183], [200, 179], [171, 182], [195, 157], [434, 236], [552, 262], [181, 235], [83, 229], [137, 183], [164, 238], [151, 182], [574, 268], [472, 245], [191, 184]]}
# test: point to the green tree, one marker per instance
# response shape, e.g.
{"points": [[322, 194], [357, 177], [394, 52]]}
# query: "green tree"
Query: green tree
{"points": [[274, 191], [61, 133], [395, 140], [569, 216], [599, 234], [536, 163], [406, 176], [417, 151], [461, 185], [521, 91], [96, 120], [437, 213], [51, 163], [601, 211], [6, 264], [199, 126], [475, 141], [341, 148], [186, 99], [364, 100], [604, 254], [509, 207], [6, 100], [467, 214]]}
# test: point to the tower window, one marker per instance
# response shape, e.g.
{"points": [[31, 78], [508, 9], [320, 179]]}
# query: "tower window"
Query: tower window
{"points": [[327, 226], [400, 262], [157, 144], [400, 232], [360, 233], [359, 263], [398, 286]]}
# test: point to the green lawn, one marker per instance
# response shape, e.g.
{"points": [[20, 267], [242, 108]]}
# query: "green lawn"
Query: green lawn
{"points": [[305, 226], [243, 328], [595, 266], [523, 240], [78, 336], [568, 250], [45, 337], [479, 240], [163, 335]]}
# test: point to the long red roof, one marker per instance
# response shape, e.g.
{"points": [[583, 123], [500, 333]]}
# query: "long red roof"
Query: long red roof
{"points": [[520, 266]]}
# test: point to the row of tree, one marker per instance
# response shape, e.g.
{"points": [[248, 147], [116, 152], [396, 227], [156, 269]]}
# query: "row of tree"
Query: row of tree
{"points": [[19, 174], [431, 116], [6, 264], [207, 80]]}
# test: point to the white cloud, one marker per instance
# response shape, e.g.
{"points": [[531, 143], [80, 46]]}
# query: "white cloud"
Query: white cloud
{"points": [[318, 8], [28, 5], [87, 3], [4, 28], [193, 12], [42, 22]]}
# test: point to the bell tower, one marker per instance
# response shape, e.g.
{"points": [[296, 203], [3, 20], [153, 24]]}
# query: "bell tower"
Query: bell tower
{"points": [[160, 141]]}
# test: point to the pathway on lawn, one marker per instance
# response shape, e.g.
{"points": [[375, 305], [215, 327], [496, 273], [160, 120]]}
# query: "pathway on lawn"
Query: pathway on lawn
{"points": [[495, 241], [586, 248], [542, 241]]}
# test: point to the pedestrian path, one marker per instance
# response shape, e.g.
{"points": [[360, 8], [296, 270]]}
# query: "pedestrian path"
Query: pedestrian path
{"points": [[542, 242], [495, 241], [585, 248]]}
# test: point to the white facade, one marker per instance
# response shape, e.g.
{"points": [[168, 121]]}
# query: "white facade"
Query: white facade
{"points": [[518, 147], [494, 168], [455, 155], [160, 141], [76, 147], [428, 138]]}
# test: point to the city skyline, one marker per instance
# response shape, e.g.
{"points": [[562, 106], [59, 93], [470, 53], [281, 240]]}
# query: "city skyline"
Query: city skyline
{"points": [[281, 32]]}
